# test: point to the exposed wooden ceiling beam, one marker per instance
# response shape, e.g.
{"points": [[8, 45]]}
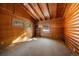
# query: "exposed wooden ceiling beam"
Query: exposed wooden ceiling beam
{"points": [[29, 13], [37, 10], [52, 9], [29, 8], [45, 10], [60, 9]]}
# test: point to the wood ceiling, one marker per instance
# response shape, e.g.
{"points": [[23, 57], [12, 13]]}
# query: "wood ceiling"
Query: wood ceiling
{"points": [[45, 11]]}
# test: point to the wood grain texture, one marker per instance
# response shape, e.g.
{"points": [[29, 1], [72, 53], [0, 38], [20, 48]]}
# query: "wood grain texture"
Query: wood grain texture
{"points": [[37, 9], [30, 9], [52, 9], [71, 30], [45, 10], [8, 33]]}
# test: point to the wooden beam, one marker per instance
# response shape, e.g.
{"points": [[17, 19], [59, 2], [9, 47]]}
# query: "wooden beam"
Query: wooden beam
{"points": [[52, 9], [45, 10], [29, 8], [37, 10]]}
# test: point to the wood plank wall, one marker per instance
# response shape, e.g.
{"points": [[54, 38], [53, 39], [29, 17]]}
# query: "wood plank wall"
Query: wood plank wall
{"points": [[7, 14], [71, 27], [55, 28]]}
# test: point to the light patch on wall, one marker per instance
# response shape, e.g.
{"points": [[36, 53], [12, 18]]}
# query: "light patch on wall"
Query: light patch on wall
{"points": [[21, 38]]}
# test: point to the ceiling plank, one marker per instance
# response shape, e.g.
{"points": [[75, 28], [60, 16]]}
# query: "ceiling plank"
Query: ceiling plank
{"points": [[52, 9], [45, 10], [37, 10], [60, 9], [29, 8], [34, 19]]}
